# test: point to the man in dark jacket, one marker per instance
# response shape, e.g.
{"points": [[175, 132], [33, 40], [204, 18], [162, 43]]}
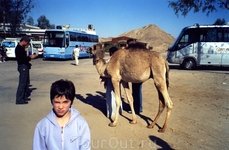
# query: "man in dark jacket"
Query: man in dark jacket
{"points": [[23, 69]]}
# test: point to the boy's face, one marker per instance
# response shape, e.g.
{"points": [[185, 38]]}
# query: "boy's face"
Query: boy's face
{"points": [[61, 106]]}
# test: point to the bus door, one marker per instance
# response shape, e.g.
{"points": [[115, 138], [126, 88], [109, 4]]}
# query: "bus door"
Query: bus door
{"points": [[225, 58], [182, 48], [225, 49], [68, 47]]}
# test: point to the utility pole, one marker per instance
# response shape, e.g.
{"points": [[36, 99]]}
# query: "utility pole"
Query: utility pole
{"points": [[4, 23], [3, 2]]}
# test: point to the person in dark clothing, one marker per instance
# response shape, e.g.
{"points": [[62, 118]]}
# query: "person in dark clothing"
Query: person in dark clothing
{"points": [[23, 69], [3, 53], [137, 96]]}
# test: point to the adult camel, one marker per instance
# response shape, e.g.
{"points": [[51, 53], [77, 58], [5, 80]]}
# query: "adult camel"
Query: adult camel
{"points": [[135, 65]]}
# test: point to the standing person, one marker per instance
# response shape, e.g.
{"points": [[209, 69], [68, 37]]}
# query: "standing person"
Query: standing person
{"points": [[110, 95], [76, 53], [64, 127], [136, 89], [23, 69], [3, 54]]}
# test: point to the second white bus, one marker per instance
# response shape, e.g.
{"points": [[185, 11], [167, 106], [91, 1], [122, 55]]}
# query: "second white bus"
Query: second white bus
{"points": [[201, 45]]}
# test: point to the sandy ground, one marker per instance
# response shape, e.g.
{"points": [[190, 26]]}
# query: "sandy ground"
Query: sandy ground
{"points": [[199, 118]]}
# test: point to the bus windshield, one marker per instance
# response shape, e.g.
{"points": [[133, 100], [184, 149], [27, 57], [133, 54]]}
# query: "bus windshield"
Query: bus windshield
{"points": [[54, 39]]}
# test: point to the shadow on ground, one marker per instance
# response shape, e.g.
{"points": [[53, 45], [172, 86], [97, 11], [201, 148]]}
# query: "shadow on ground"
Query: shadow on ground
{"points": [[97, 101], [29, 91], [202, 68], [158, 142]]}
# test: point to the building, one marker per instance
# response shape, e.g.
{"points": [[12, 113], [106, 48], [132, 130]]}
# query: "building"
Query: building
{"points": [[21, 30], [120, 41]]}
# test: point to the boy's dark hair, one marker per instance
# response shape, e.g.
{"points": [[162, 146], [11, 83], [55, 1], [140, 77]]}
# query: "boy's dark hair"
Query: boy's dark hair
{"points": [[62, 88], [76, 46]]}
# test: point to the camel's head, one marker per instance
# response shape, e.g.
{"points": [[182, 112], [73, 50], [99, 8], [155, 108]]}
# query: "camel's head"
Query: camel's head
{"points": [[92, 50], [96, 52]]}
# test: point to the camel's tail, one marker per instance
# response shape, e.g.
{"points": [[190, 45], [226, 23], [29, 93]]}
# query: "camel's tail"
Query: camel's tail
{"points": [[167, 73]]}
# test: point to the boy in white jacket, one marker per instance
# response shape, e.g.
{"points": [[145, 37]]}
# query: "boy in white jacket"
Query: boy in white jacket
{"points": [[63, 128]]}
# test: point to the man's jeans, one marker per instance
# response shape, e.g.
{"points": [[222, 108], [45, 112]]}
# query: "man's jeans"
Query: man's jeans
{"points": [[23, 82], [137, 96]]}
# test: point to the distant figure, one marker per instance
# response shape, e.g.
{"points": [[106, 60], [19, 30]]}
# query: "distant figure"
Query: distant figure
{"points": [[63, 128], [3, 54], [76, 54]]}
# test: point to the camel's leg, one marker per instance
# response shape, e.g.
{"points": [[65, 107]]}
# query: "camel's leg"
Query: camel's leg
{"points": [[160, 110], [130, 100], [117, 100], [169, 105], [165, 101]]}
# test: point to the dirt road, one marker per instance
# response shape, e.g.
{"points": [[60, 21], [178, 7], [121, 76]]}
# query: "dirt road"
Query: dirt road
{"points": [[199, 118]]}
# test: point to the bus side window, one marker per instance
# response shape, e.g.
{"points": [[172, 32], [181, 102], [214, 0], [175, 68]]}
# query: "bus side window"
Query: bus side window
{"points": [[184, 41], [226, 35], [202, 38], [219, 37], [211, 35], [67, 40]]}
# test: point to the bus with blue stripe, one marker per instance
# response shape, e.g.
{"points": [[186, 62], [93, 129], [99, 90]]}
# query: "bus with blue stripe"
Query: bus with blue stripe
{"points": [[60, 43]]}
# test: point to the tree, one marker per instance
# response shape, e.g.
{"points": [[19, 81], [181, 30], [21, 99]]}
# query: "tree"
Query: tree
{"points": [[52, 26], [43, 22], [30, 21], [220, 22], [207, 6], [14, 12]]}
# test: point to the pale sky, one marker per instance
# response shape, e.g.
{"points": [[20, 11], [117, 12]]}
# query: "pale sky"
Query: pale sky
{"points": [[110, 18]]}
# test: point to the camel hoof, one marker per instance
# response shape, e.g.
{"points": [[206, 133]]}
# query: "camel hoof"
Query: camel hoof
{"points": [[150, 127], [133, 122], [161, 130], [112, 125]]}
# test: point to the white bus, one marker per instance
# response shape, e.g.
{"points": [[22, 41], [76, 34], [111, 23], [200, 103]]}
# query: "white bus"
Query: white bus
{"points": [[201, 45], [59, 43]]}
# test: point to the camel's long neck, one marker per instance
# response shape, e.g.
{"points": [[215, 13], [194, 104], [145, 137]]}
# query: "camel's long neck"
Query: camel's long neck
{"points": [[101, 66]]}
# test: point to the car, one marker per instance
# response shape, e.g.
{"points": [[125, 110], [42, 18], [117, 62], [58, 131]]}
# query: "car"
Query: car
{"points": [[39, 46], [32, 50]]}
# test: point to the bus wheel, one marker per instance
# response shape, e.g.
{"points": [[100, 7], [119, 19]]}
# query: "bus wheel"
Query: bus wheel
{"points": [[189, 64]]}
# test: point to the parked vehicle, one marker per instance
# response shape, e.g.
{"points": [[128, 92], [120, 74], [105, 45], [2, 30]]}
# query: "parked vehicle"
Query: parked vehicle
{"points": [[201, 45], [39, 46], [10, 44], [60, 43], [31, 49]]}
